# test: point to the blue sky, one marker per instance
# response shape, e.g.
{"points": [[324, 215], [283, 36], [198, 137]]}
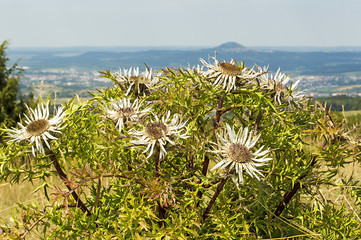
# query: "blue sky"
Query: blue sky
{"points": [[56, 23]]}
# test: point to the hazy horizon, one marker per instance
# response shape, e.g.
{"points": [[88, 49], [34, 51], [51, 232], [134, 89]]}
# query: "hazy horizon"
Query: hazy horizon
{"points": [[183, 46], [180, 47]]}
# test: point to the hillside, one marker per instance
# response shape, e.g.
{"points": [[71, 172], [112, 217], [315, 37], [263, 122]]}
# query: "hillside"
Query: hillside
{"points": [[303, 63]]}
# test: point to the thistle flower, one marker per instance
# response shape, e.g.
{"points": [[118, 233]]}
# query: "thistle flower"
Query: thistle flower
{"points": [[132, 80], [195, 69], [123, 110], [235, 153], [160, 132], [39, 128], [228, 73], [277, 84]]}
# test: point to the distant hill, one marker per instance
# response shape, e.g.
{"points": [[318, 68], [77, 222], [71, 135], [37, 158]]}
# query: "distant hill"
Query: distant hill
{"points": [[231, 47], [292, 62]]}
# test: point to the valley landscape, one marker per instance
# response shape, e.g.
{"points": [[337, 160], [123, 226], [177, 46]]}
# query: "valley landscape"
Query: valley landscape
{"points": [[64, 72]]}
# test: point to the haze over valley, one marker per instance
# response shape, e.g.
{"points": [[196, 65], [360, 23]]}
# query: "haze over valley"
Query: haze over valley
{"points": [[74, 70]]}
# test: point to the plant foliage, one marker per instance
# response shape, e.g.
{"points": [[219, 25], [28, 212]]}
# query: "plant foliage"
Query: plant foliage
{"points": [[113, 186]]}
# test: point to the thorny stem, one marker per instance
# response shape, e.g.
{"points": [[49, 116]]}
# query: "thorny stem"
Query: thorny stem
{"points": [[128, 151], [96, 203], [258, 119], [161, 210], [110, 176], [191, 162], [288, 195], [204, 172], [215, 195], [224, 110], [23, 235], [219, 113], [205, 165], [130, 161], [66, 181], [217, 117], [161, 213], [156, 164]]}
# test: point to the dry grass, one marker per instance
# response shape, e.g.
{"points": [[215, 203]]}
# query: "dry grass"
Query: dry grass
{"points": [[23, 193]]}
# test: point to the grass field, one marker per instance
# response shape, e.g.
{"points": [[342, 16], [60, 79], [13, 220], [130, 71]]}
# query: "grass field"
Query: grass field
{"points": [[23, 193], [352, 113]]}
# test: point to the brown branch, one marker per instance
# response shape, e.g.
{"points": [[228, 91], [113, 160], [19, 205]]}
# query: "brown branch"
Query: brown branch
{"points": [[67, 183], [23, 235], [275, 174], [157, 162], [66, 206], [191, 162], [215, 195], [173, 166], [212, 183], [258, 119], [161, 213], [205, 165], [218, 115], [161, 210], [224, 110], [288, 195], [96, 203], [204, 172], [110, 176]]}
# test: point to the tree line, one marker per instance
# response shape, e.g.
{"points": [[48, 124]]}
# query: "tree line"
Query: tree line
{"points": [[12, 102], [341, 102]]}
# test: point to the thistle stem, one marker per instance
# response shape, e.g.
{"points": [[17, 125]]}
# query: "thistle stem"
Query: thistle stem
{"points": [[127, 151], [220, 187], [156, 165], [161, 210], [288, 195], [204, 172], [216, 120], [64, 178], [219, 112], [161, 213]]}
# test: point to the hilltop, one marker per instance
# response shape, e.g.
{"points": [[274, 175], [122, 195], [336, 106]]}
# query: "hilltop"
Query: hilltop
{"points": [[231, 47]]}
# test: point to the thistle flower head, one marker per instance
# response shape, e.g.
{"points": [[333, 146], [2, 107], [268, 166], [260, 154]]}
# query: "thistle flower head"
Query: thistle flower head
{"points": [[136, 82], [124, 110], [159, 132], [277, 84], [236, 153], [196, 69], [38, 128], [156, 130], [228, 74]]}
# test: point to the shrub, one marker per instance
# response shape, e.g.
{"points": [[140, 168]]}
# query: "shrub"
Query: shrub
{"points": [[229, 152]]}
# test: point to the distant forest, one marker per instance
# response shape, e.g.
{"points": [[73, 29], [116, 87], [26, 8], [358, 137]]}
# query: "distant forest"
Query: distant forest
{"points": [[337, 103]]}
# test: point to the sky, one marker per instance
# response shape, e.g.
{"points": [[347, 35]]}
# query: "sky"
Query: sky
{"points": [[61, 23]]}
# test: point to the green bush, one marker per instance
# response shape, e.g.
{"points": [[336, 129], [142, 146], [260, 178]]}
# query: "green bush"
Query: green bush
{"points": [[229, 152]]}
